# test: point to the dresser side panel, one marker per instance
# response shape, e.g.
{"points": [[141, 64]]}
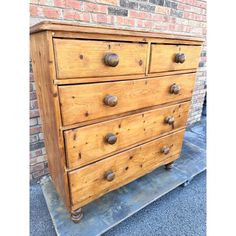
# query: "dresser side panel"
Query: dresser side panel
{"points": [[43, 63]]}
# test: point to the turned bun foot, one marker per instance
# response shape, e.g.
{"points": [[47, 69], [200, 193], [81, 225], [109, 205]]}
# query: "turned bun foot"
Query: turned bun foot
{"points": [[169, 166], [77, 215]]}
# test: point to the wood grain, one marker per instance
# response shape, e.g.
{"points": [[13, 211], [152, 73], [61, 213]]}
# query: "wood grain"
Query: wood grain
{"points": [[76, 27], [85, 102], [163, 57], [84, 58], [88, 183], [44, 72], [87, 144], [119, 77]]}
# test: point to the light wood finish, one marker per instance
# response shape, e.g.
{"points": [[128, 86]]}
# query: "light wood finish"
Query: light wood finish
{"points": [[85, 102], [44, 69], [84, 58], [107, 124], [87, 144], [163, 57], [88, 183], [125, 38], [119, 77]]}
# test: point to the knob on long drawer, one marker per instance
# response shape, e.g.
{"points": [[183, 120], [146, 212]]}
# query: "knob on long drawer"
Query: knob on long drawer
{"points": [[111, 138], [165, 150], [169, 120], [110, 100], [109, 175], [111, 59], [174, 88]]}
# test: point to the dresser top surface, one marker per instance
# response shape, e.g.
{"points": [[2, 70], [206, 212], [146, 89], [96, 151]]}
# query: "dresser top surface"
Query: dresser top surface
{"points": [[78, 28]]}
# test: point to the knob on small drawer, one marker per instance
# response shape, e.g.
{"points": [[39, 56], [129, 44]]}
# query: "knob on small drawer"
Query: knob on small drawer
{"points": [[110, 100], [111, 59], [174, 88], [109, 175], [180, 58], [165, 150], [169, 120], [111, 138]]}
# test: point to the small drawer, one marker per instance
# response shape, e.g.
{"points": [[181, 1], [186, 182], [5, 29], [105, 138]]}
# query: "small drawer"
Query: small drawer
{"points": [[93, 181], [91, 143], [80, 103], [85, 58], [173, 57]]}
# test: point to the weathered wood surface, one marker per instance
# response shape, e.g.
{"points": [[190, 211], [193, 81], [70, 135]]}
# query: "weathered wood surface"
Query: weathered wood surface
{"points": [[85, 58], [87, 144], [88, 183], [86, 102], [163, 57]]}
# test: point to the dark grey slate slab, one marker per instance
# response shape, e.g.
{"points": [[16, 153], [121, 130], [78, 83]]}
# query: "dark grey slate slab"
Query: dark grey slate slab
{"points": [[114, 207]]}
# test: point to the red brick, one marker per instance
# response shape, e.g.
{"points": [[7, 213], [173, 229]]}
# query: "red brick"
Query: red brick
{"points": [[148, 24], [100, 18], [140, 15], [92, 7], [31, 77], [34, 113], [71, 14], [73, 4], [36, 153], [38, 174], [139, 23], [33, 95], [84, 16], [35, 129], [37, 167], [34, 10], [125, 21], [59, 3], [52, 13]]}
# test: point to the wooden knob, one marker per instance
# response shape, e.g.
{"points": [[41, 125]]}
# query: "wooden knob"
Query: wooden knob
{"points": [[111, 100], [165, 150], [111, 59], [180, 58], [174, 88], [169, 120], [109, 175], [111, 138]]}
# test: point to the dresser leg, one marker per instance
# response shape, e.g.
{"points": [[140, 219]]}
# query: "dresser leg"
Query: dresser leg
{"points": [[76, 215], [169, 165]]}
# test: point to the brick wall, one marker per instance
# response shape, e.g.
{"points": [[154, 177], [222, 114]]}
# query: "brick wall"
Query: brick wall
{"points": [[181, 16]]}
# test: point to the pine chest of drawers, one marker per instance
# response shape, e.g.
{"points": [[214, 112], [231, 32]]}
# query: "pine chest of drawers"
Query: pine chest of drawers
{"points": [[114, 104]]}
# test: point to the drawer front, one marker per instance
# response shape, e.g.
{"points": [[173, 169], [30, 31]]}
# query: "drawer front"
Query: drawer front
{"points": [[174, 57], [94, 142], [93, 181], [80, 103], [84, 58]]}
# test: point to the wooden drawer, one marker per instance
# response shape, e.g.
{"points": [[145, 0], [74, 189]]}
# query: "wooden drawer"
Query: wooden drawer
{"points": [[80, 103], [163, 57], [91, 143], [92, 181], [85, 58]]}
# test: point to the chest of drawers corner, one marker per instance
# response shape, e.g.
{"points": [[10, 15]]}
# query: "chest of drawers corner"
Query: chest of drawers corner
{"points": [[114, 104]]}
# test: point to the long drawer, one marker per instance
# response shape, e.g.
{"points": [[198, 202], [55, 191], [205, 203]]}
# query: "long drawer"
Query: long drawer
{"points": [[93, 181], [173, 57], [80, 103], [90, 143], [86, 58]]}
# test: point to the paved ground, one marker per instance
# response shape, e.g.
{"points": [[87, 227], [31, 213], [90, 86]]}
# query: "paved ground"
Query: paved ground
{"points": [[181, 212]]}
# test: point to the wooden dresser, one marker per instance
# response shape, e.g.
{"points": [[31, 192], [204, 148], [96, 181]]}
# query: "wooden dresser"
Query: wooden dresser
{"points": [[114, 104]]}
